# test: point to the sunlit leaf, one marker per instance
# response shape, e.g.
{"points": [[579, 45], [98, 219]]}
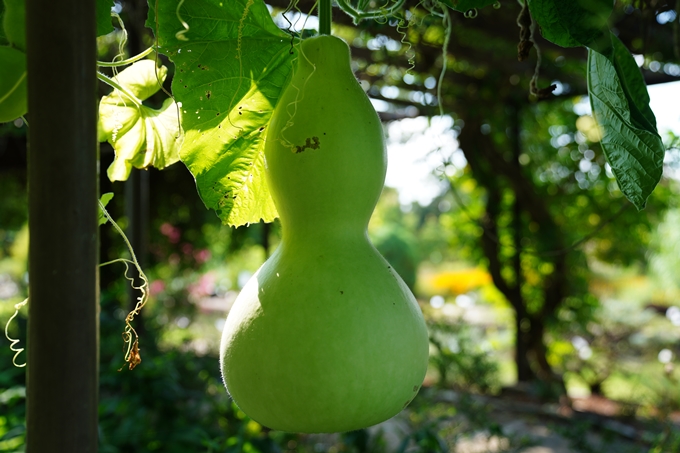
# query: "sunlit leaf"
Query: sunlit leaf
{"points": [[141, 136], [231, 66], [620, 105]]}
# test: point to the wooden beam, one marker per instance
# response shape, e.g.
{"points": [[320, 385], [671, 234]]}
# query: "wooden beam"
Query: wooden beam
{"points": [[63, 330]]}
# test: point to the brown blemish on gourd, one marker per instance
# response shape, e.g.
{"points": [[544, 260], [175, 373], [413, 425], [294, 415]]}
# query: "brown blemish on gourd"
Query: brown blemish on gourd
{"points": [[415, 388], [208, 94], [311, 143]]}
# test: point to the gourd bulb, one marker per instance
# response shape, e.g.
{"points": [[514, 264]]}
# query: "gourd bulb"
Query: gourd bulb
{"points": [[325, 337]]}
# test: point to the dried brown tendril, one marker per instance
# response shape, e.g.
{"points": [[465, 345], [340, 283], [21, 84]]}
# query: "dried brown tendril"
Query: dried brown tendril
{"points": [[525, 41]]}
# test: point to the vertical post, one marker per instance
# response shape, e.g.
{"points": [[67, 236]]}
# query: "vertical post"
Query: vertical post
{"points": [[63, 331]]}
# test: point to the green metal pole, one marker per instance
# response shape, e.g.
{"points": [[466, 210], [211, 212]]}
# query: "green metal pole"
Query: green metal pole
{"points": [[63, 329]]}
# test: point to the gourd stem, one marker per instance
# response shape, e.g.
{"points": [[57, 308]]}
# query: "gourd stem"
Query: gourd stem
{"points": [[325, 17]]}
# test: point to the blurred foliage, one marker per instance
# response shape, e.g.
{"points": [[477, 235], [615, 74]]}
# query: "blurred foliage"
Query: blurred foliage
{"points": [[459, 360], [397, 246]]}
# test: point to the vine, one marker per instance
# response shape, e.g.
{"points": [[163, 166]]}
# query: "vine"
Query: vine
{"points": [[128, 61], [359, 14], [402, 25], [527, 30], [180, 35], [117, 86], [131, 339], [13, 342], [289, 123]]}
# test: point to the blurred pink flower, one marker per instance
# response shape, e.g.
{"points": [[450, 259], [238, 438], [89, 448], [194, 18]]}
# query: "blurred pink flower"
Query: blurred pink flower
{"points": [[156, 287], [205, 286], [201, 256], [172, 233], [187, 248]]}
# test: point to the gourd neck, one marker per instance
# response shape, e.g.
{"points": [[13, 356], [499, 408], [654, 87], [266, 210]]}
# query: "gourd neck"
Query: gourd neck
{"points": [[323, 237], [324, 55]]}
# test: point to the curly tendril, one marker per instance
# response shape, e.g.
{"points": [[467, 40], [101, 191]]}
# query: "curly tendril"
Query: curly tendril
{"points": [[471, 13], [14, 342], [130, 337], [181, 35]]}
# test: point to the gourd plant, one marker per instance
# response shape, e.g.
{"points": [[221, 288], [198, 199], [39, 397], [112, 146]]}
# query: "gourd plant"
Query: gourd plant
{"points": [[325, 336]]}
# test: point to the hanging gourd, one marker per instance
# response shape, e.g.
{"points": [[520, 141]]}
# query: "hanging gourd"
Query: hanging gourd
{"points": [[325, 337]]}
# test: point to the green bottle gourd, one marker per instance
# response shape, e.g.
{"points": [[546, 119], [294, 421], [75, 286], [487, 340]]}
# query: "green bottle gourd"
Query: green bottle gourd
{"points": [[325, 337]]}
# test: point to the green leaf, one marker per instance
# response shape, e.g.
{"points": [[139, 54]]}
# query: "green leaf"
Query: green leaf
{"points": [[466, 5], [105, 198], [231, 66], [14, 23], [104, 24], [13, 88], [141, 136], [633, 84], [573, 23], [620, 104]]}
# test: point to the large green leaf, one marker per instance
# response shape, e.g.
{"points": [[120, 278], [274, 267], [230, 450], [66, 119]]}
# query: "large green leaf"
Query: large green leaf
{"points": [[620, 104], [467, 5], [141, 136], [573, 23], [231, 65]]}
